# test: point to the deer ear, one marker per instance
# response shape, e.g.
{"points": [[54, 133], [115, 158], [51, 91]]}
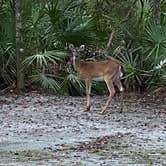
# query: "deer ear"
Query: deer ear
{"points": [[71, 46], [82, 47]]}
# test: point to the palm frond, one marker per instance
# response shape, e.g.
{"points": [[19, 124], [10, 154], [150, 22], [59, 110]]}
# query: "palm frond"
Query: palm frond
{"points": [[73, 85], [155, 43], [46, 82], [43, 59]]}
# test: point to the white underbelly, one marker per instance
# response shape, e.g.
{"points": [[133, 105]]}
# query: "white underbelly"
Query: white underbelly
{"points": [[101, 78]]}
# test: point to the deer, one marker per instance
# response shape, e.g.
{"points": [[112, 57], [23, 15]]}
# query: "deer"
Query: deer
{"points": [[108, 70]]}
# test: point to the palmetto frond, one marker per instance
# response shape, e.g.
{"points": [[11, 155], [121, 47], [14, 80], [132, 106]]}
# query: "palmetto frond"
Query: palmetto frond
{"points": [[155, 42], [72, 84], [46, 82], [43, 59]]}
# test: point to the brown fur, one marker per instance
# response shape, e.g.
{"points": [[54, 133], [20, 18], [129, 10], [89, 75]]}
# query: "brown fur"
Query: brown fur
{"points": [[96, 69], [109, 70]]}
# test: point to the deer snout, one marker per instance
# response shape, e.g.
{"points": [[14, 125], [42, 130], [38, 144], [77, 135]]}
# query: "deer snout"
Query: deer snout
{"points": [[75, 54]]}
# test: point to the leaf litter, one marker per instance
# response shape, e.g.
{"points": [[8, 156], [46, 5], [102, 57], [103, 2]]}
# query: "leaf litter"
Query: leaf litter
{"points": [[53, 130]]}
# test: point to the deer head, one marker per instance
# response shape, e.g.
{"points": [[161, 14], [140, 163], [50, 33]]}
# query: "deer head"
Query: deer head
{"points": [[76, 50], [76, 54]]}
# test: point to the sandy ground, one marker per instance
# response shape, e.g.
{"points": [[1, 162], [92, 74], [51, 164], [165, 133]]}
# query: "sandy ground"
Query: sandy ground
{"points": [[49, 130]]}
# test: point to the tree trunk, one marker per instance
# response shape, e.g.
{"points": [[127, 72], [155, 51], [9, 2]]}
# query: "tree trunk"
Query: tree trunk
{"points": [[156, 6], [19, 58]]}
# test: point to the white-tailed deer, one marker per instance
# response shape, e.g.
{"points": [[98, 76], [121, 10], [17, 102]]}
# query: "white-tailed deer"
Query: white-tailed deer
{"points": [[107, 70]]}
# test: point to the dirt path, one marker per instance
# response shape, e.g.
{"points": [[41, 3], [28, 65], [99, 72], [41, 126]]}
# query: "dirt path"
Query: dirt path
{"points": [[50, 130]]}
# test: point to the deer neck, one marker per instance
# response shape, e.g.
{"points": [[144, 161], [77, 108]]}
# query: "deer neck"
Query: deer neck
{"points": [[76, 63]]}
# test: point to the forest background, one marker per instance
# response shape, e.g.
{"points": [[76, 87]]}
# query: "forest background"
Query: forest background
{"points": [[35, 34]]}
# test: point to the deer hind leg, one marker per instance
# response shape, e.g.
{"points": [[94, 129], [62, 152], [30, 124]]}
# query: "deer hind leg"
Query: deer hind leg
{"points": [[121, 89], [88, 91], [111, 91]]}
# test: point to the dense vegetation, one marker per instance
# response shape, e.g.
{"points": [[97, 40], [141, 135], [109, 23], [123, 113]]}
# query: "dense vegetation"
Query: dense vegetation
{"points": [[49, 26]]}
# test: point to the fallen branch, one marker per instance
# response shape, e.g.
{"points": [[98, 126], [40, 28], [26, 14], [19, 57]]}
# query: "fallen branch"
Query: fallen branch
{"points": [[8, 89]]}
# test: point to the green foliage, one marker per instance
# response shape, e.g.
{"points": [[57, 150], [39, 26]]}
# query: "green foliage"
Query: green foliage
{"points": [[155, 43], [158, 76], [7, 51], [72, 85], [145, 66], [132, 64], [50, 25], [43, 59], [40, 62], [47, 82]]}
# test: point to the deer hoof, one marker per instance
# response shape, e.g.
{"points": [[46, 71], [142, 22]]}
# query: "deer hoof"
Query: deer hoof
{"points": [[121, 110], [102, 112], [87, 109], [103, 109]]}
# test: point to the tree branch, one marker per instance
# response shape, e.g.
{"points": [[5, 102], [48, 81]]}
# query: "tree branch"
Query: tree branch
{"points": [[119, 24]]}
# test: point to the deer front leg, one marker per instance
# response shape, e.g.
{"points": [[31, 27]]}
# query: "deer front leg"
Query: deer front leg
{"points": [[111, 91], [88, 91]]}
